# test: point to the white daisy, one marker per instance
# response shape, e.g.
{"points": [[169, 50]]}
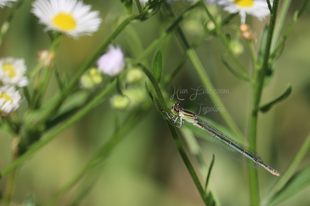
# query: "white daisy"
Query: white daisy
{"points": [[12, 72], [258, 8], [4, 3], [112, 63], [71, 17], [9, 99]]}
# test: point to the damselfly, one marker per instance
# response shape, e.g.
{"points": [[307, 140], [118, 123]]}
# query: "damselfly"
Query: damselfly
{"points": [[225, 142]]}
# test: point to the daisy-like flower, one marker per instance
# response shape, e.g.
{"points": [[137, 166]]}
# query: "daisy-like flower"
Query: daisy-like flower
{"points": [[9, 99], [71, 17], [4, 3], [112, 63], [258, 8], [12, 72]]}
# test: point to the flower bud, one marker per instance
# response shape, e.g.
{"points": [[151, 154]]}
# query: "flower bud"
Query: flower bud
{"points": [[112, 63], [119, 102], [134, 76], [86, 81], [246, 32], [49, 57], [236, 47]]}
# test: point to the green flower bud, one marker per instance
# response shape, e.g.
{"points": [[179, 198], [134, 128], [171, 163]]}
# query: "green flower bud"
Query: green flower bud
{"points": [[236, 47], [97, 79], [134, 76], [119, 102], [86, 81]]}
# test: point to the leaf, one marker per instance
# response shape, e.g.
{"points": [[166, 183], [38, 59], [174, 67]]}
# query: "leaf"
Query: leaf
{"points": [[261, 55], [157, 66], [296, 183], [72, 102], [283, 96], [269, 74], [233, 71], [209, 173], [262, 46]]}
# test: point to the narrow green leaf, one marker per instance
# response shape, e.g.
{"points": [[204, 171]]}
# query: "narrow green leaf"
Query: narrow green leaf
{"points": [[283, 96], [74, 101], [296, 183], [211, 200], [262, 46], [260, 57], [148, 91], [269, 74], [233, 71], [209, 173], [157, 66], [58, 79]]}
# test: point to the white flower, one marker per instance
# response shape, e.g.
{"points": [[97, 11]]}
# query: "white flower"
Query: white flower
{"points": [[12, 72], [112, 63], [71, 17], [258, 8], [6, 3], [9, 99]]}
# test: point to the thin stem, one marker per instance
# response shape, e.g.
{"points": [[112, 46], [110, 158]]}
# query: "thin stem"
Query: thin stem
{"points": [[169, 30], [51, 49], [252, 52], [10, 185], [138, 6], [206, 80], [37, 146], [269, 6], [225, 42], [187, 162], [289, 30], [280, 21], [259, 76]]}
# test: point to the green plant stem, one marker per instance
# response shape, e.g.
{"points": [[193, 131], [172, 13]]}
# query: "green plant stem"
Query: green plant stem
{"points": [[6, 25], [252, 52], [176, 139], [206, 80], [187, 162], [43, 87], [287, 33], [87, 65], [10, 185], [50, 50], [168, 31], [35, 147], [259, 76], [138, 6], [292, 167], [280, 21], [225, 42]]}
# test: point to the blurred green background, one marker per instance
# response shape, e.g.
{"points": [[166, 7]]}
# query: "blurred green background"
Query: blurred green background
{"points": [[145, 167]]}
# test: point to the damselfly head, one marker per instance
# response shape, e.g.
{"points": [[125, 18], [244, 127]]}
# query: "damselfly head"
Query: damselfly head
{"points": [[176, 108]]}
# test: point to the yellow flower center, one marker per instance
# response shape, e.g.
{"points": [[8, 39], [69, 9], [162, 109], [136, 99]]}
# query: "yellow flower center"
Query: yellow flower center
{"points": [[9, 70], [64, 21], [6, 97], [244, 3]]}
